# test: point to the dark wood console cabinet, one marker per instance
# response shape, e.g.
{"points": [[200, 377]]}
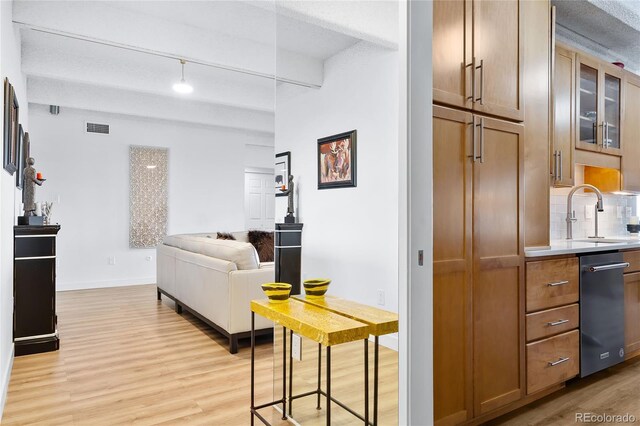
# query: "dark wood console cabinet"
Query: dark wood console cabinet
{"points": [[288, 254], [34, 289]]}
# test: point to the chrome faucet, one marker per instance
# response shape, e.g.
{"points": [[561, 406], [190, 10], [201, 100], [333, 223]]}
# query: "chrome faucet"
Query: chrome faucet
{"points": [[571, 214]]}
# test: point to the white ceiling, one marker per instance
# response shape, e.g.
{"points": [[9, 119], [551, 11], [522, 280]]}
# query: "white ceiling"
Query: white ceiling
{"points": [[97, 54], [606, 28]]}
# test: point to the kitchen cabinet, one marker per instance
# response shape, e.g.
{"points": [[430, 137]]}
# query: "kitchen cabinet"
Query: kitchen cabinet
{"points": [[598, 105], [479, 340], [632, 314], [564, 116], [478, 56], [553, 319], [631, 134]]}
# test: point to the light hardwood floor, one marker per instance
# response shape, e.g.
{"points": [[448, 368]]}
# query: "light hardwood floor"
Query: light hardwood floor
{"points": [[126, 358], [615, 391]]}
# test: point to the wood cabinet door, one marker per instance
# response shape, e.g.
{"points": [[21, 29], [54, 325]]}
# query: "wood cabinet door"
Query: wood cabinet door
{"points": [[564, 86], [452, 174], [497, 49], [34, 294], [631, 134], [452, 52], [631, 314], [498, 264]]}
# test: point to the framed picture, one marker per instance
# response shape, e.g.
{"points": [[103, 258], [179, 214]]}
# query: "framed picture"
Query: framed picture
{"points": [[282, 170], [22, 161], [337, 161], [11, 130]]}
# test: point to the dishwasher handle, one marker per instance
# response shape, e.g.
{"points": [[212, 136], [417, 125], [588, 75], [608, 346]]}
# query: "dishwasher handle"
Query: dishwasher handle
{"points": [[608, 267]]}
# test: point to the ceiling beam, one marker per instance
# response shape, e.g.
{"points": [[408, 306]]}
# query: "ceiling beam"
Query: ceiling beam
{"points": [[117, 101], [92, 21]]}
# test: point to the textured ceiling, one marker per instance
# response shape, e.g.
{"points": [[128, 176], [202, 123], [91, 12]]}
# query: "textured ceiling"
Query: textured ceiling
{"points": [[606, 28]]}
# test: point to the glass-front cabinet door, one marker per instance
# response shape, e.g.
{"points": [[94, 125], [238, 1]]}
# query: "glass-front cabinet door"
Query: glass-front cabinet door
{"points": [[612, 86], [588, 105], [598, 106]]}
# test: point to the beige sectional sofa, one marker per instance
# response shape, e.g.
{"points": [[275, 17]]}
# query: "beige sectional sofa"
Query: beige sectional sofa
{"points": [[215, 280]]}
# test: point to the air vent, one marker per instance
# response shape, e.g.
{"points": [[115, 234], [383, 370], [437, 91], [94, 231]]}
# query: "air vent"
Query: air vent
{"points": [[102, 129]]}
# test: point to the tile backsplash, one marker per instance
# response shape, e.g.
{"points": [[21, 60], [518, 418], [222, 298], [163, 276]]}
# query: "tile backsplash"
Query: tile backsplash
{"points": [[611, 222]]}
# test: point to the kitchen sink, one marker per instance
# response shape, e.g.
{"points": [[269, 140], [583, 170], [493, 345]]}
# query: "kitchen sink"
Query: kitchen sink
{"points": [[601, 240]]}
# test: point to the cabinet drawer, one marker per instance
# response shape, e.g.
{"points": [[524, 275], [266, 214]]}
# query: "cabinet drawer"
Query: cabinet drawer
{"points": [[633, 257], [552, 283], [552, 361], [35, 246], [552, 321]]}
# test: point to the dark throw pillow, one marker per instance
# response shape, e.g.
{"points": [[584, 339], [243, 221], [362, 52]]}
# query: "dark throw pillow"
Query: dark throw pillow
{"points": [[263, 242], [225, 236]]}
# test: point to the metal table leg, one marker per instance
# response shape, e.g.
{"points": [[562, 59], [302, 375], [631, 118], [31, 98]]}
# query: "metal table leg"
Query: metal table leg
{"points": [[319, 374], [328, 385], [284, 373], [253, 356], [366, 382], [375, 382], [290, 372]]}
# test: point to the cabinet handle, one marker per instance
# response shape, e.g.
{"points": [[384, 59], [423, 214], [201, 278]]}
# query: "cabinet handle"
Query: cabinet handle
{"points": [[606, 133], [604, 136], [556, 168], [560, 361], [560, 163], [481, 98], [559, 322], [481, 139], [473, 79], [474, 152], [557, 283]]}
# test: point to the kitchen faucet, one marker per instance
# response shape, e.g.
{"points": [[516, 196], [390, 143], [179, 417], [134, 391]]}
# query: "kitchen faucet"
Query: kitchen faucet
{"points": [[571, 214]]}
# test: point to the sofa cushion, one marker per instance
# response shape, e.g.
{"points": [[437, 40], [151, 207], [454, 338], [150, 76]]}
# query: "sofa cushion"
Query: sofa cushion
{"points": [[263, 242], [242, 254]]}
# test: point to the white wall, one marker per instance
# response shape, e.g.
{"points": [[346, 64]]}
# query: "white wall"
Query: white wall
{"points": [[350, 234], [88, 180], [9, 67]]}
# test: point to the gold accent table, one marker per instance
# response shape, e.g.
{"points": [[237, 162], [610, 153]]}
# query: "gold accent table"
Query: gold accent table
{"points": [[318, 324], [380, 322]]}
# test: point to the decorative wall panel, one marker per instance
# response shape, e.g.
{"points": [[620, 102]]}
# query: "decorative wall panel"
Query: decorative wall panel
{"points": [[148, 195]]}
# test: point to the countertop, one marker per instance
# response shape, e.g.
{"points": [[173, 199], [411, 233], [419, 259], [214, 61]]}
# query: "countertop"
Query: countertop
{"points": [[579, 245]]}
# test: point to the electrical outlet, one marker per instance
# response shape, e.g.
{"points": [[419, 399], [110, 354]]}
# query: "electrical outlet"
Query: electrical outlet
{"points": [[381, 297], [628, 211], [148, 258], [112, 260], [619, 212], [296, 347], [588, 212]]}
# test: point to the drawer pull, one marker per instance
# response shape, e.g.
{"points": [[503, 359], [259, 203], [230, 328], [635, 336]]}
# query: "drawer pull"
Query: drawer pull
{"points": [[560, 361], [554, 323], [558, 283]]}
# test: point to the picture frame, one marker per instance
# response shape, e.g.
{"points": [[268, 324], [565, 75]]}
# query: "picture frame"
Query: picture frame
{"points": [[22, 160], [11, 129], [337, 161], [281, 171]]}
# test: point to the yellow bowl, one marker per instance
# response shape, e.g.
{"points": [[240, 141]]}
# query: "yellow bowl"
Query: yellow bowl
{"points": [[316, 288], [277, 292]]}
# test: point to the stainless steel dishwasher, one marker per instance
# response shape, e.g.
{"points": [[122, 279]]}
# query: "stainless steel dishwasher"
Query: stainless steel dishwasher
{"points": [[601, 311]]}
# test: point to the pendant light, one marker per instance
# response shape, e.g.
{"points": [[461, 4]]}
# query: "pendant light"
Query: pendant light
{"points": [[182, 86]]}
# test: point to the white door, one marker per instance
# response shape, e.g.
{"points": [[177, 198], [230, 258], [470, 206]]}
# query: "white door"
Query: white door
{"points": [[259, 201]]}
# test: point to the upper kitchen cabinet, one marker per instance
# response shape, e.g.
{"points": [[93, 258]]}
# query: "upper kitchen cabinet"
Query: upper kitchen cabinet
{"points": [[631, 134], [598, 105], [564, 116], [477, 56]]}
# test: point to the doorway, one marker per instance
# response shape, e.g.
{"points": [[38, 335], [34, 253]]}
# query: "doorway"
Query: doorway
{"points": [[259, 200]]}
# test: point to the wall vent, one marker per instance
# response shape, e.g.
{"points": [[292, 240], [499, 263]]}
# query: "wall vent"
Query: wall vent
{"points": [[102, 129]]}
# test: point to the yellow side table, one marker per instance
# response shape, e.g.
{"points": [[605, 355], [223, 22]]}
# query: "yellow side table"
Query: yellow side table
{"points": [[315, 323], [380, 322]]}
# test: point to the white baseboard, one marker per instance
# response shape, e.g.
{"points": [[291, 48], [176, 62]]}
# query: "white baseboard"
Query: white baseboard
{"points": [[5, 381], [389, 341], [85, 285]]}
